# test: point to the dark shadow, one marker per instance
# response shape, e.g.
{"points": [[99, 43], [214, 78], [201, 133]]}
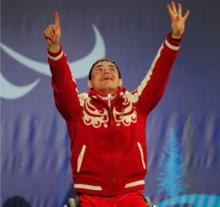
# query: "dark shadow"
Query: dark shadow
{"points": [[16, 201], [69, 194]]}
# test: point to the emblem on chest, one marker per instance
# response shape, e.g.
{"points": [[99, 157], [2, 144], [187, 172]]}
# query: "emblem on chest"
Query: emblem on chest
{"points": [[125, 114]]}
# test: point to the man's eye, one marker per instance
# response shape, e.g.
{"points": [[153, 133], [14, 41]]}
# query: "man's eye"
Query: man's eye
{"points": [[99, 69]]}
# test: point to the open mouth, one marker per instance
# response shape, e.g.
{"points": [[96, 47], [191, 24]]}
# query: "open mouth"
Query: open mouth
{"points": [[107, 78]]}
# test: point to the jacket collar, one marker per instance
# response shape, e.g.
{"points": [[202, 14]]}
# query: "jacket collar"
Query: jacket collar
{"points": [[108, 99], [95, 93]]}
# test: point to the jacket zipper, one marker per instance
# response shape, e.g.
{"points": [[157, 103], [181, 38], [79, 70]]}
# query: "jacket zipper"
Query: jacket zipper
{"points": [[110, 109]]}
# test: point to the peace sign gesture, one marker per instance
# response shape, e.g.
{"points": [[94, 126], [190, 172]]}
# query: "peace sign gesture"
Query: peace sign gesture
{"points": [[177, 19], [52, 34]]}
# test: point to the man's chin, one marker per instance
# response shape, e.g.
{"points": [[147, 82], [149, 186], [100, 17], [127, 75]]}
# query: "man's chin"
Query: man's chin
{"points": [[107, 89]]}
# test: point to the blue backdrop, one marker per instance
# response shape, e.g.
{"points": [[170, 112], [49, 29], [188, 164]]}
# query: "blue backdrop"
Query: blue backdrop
{"points": [[183, 130]]}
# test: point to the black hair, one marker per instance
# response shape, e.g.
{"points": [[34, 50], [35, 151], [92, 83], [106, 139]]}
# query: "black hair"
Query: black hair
{"points": [[101, 60]]}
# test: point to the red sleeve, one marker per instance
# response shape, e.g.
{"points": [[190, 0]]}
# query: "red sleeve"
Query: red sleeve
{"points": [[153, 85], [64, 86]]}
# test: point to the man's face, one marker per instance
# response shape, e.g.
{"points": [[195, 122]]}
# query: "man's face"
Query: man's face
{"points": [[105, 77]]}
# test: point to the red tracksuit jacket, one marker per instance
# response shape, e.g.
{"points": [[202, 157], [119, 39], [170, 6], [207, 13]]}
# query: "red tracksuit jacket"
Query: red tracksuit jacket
{"points": [[108, 133]]}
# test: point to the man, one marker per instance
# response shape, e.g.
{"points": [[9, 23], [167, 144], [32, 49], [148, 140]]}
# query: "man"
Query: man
{"points": [[107, 125]]}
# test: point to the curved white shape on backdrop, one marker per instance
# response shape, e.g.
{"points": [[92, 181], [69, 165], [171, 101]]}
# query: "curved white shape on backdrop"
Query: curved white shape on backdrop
{"points": [[11, 91], [79, 68]]}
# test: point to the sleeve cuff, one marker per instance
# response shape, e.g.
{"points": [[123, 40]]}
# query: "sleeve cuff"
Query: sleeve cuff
{"points": [[172, 43], [55, 55]]}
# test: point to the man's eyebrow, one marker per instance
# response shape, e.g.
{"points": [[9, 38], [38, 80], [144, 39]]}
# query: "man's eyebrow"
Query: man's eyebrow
{"points": [[100, 65], [112, 65]]}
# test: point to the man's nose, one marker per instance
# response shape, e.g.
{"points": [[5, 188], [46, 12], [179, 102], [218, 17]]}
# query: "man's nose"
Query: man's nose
{"points": [[106, 71]]}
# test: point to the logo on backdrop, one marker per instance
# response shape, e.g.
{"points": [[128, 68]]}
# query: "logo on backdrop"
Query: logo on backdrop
{"points": [[11, 91], [171, 179]]}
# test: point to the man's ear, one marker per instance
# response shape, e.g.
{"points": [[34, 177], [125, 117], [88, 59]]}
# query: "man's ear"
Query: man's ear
{"points": [[120, 82], [89, 84]]}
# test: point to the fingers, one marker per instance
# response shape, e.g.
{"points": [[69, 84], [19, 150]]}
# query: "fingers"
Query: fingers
{"points": [[169, 10], [186, 15], [57, 20], [174, 11], [52, 34], [180, 9], [173, 6], [49, 32]]}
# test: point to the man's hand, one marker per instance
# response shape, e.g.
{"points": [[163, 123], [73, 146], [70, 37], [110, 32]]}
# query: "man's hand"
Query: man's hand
{"points": [[52, 34], [177, 19]]}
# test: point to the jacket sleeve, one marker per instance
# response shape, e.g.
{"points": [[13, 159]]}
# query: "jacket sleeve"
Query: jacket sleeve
{"points": [[152, 87], [64, 86]]}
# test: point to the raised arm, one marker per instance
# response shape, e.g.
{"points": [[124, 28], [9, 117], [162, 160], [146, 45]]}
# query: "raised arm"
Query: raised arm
{"points": [[63, 84], [152, 87]]}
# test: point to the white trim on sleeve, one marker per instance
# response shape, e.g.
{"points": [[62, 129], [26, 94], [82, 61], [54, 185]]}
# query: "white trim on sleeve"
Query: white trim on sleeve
{"points": [[171, 46], [56, 57]]}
